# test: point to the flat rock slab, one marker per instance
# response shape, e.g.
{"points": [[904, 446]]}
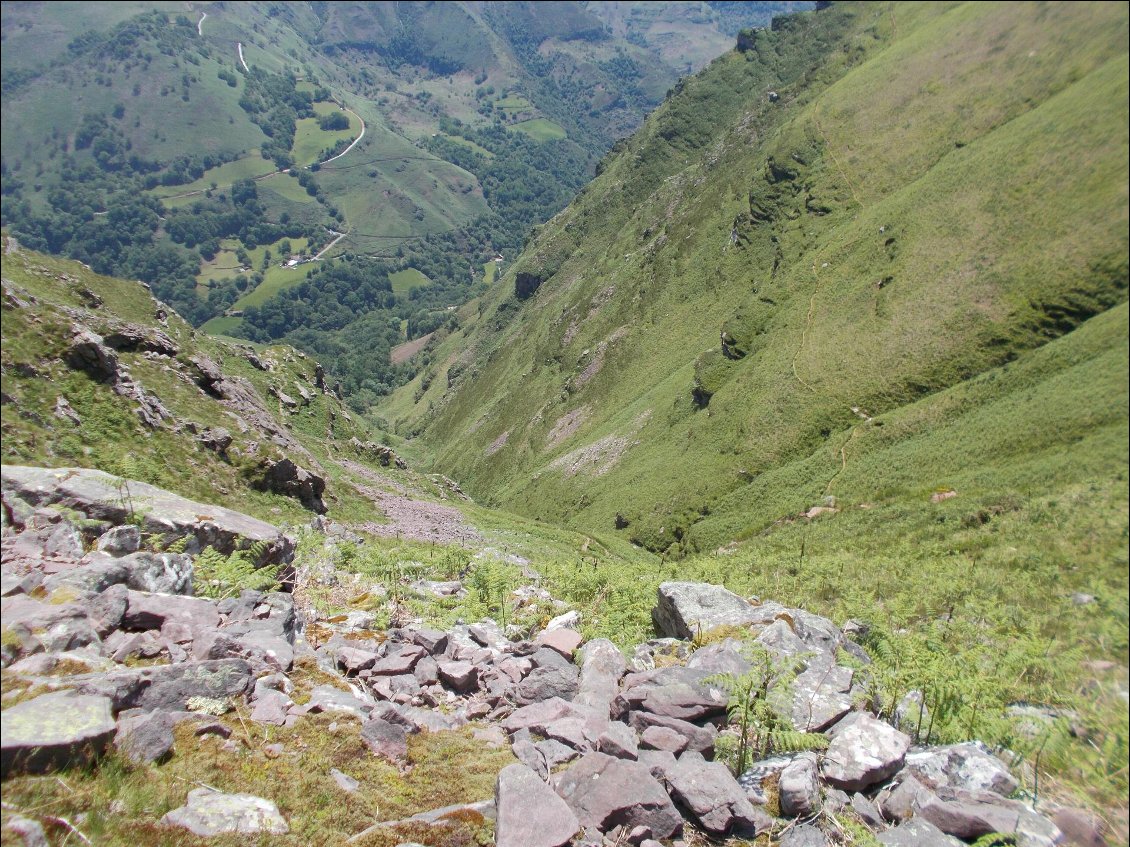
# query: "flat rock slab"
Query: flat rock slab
{"points": [[917, 833], [604, 792], [102, 496], [529, 813], [169, 687], [53, 731], [208, 813], [564, 641]]}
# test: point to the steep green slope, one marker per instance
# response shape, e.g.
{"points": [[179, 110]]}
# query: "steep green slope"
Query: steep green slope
{"points": [[208, 419], [756, 282]]}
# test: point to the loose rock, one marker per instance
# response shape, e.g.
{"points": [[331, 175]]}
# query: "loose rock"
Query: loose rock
{"points": [[530, 814], [208, 813]]}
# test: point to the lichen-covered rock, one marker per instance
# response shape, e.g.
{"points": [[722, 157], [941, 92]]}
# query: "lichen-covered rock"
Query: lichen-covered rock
{"points": [[917, 833], [864, 751], [968, 765], [821, 696], [970, 814], [165, 573], [207, 813], [169, 687], [805, 835], [104, 497], [120, 540], [55, 730], [686, 609], [34, 627]]}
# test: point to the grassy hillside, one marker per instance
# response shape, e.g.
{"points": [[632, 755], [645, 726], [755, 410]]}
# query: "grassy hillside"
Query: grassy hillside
{"points": [[844, 322], [847, 274]]}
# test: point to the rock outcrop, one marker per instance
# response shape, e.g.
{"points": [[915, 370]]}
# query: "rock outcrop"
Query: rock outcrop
{"points": [[103, 497]]}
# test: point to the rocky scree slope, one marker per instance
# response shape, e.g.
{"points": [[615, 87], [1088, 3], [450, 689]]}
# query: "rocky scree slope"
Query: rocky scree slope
{"points": [[848, 216], [115, 675], [97, 372]]}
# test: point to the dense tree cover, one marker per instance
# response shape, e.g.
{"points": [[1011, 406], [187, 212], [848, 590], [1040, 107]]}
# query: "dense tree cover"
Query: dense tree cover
{"points": [[360, 356], [333, 294], [99, 215], [239, 215], [345, 314], [275, 104], [525, 181], [334, 121]]}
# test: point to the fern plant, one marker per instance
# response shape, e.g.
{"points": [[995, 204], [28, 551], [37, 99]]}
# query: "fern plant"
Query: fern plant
{"points": [[218, 576], [490, 585], [757, 700]]}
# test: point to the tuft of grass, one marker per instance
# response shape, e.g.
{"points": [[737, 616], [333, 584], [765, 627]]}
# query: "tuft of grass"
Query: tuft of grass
{"points": [[122, 802]]}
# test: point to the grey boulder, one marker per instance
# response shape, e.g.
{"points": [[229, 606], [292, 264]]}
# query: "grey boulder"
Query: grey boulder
{"points": [[547, 682], [675, 692], [971, 814], [120, 540], [917, 832], [145, 738], [602, 666], [970, 766], [102, 496], [798, 787], [687, 609]]}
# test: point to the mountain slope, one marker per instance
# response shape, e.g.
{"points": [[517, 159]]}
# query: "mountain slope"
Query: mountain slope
{"points": [[220, 151], [931, 192]]}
